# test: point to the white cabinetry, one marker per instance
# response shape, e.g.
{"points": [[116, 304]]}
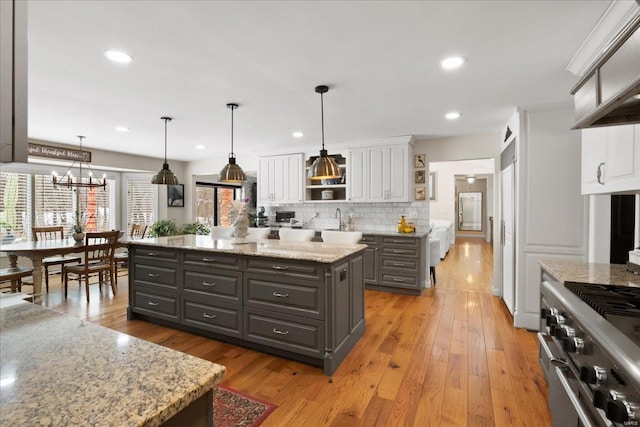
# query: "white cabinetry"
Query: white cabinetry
{"points": [[611, 159], [379, 174], [280, 179]]}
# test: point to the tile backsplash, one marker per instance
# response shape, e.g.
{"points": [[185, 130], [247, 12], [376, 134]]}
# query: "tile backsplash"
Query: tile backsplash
{"points": [[366, 216]]}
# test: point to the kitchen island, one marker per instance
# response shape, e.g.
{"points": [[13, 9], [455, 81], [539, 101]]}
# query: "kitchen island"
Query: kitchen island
{"points": [[59, 370], [300, 300]]}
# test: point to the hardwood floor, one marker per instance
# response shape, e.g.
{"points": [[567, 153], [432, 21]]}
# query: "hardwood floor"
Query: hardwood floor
{"points": [[449, 357]]}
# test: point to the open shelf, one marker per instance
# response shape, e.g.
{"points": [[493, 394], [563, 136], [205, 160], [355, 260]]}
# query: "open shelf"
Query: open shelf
{"points": [[314, 188]]}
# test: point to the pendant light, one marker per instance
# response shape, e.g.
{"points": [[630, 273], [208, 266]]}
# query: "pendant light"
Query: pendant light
{"points": [[68, 181], [324, 167], [232, 172], [165, 176]]}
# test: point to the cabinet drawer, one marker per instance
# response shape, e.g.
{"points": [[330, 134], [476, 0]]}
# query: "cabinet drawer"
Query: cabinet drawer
{"points": [[400, 251], [221, 319], [155, 276], [285, 295], [212, 259], [400, 241], [227, 286], [298, 335], [155, 254], [369, 239], [400, 265], [311, 270], [162, 305], [398, 280]]}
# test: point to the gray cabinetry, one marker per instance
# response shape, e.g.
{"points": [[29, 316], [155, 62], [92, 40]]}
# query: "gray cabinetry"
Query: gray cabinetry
{"points": [[370, 256], [304, 310]]}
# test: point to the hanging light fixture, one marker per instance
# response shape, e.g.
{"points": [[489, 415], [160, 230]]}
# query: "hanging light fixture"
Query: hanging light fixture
{"points": [[68, 180], [165, 176], [232, 172], [324, 167]]}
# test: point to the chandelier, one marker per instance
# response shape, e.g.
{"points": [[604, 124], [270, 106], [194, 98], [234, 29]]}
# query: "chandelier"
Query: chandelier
{"points": [[69, 181]]}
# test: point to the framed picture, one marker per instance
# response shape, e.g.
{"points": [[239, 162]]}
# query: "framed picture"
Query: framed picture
{"points": [[432, 186], [175, 195], [421, 193], [419, 160], [420, 176]]}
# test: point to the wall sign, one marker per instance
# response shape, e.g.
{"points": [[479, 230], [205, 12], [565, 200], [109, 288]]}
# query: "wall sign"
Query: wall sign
{"points": [[59, 153]]}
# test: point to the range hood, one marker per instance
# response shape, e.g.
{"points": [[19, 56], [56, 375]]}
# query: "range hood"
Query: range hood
{"points": [[608, 93]]}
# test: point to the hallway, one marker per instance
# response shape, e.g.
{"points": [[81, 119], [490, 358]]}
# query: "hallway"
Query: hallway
{"points": [[448, 358]]}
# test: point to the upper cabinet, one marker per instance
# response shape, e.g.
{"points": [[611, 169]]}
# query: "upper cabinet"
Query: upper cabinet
{"points": [[280, 179], [326, 190], [379, 174], [611, 159]]}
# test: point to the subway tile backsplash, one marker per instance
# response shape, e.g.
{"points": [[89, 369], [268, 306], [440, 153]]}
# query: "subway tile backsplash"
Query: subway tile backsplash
{"points": [[367, 216]]}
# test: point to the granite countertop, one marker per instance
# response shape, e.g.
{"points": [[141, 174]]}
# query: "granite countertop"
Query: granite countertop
{"points": [[70, 372], [591, 273], [366, 231], [305, 251]]}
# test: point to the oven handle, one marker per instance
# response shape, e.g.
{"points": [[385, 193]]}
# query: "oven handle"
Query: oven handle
{"points": [[577, 405]]}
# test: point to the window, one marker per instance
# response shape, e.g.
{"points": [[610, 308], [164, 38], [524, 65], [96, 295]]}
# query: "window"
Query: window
{"points": [[213, 202], [15, 215], [142, 202]]}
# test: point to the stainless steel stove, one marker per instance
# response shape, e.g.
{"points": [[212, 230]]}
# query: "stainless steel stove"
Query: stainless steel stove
{"points": [[590, 352]]}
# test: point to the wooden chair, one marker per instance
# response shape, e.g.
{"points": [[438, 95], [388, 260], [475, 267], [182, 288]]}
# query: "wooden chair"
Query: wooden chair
{"points": [[15, 275], [137, 232], [52, 233], [99, 249]]}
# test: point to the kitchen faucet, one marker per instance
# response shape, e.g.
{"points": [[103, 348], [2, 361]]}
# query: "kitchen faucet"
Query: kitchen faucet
{"points": [[339, 216]]}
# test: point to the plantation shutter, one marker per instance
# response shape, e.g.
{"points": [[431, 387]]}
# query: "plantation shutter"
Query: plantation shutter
{"points": [[53, 206], [15, 214], [142, 202]]}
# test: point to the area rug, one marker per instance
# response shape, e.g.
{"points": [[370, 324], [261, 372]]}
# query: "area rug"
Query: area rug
{"points": [[233, 408]]}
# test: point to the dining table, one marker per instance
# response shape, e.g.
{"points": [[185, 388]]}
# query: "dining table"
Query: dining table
{"points": [[36, 251]]}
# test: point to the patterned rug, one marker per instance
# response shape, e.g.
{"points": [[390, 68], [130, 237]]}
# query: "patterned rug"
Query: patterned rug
{"points": [[233, 408]]}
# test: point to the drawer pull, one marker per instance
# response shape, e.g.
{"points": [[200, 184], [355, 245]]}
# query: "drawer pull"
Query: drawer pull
{"points": [[153, 275], [153, 304], [208, 316], [279, 332], [279, 295], [399, 264], [396, 251], [208, 284], [152, 254], [208, 259], [279, 267], [398, 279]]}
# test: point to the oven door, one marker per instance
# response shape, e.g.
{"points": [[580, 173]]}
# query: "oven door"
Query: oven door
{"points": [[564, 402]]}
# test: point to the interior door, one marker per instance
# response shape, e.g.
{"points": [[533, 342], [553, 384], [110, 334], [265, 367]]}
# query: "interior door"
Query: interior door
{"points": [[508, 237]]}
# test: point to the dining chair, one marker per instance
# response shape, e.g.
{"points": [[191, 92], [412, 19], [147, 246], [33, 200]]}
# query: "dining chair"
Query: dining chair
{"points": [[121, 258], [15, 276], [341, 237], [99, 249], [52, 233], [296, 235], [258, 233]]}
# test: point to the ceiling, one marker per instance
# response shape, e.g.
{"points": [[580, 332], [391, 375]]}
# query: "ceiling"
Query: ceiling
{"points": [[380, 60]]}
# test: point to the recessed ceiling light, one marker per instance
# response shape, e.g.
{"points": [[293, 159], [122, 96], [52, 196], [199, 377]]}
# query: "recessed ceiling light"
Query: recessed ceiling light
{"points": [[452, 115], [297, 134], [200, 147], [121, 129], [119, 57], [452, 62]]}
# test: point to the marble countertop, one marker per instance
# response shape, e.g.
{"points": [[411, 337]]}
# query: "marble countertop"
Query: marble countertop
{"points": [[59, 370], [592, 273], [305, 251]]}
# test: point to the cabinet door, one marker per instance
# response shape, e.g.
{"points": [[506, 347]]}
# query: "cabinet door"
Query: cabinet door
{"points": [[278, 175], [397, 171], [357, 175], [294, 178], [593, 155], [376, 176], [264, 192], [623, 159]]}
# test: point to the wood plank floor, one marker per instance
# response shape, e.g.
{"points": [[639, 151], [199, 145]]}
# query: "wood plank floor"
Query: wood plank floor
{"points": [[447, 358]]}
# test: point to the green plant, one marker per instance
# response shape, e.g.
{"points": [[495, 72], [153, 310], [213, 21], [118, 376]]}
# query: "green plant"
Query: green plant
{"points": [[195, 228], [164, 227]]}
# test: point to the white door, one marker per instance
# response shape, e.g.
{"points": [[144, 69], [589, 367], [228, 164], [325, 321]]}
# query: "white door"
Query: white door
{"points": [[508, 239]]}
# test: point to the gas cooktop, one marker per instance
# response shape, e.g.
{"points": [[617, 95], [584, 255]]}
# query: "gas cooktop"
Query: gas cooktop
{"points": [[609, 300]]}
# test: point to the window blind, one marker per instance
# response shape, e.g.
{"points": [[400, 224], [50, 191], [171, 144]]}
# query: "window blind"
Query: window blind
{"points": [[142, 202], [15, 214]]}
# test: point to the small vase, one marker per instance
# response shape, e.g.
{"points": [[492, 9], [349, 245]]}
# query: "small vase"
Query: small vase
{"points": [[78, 237]]}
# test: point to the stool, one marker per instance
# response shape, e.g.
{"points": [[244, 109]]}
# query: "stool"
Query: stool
{"points": [[434, 256], [15, 275]]}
